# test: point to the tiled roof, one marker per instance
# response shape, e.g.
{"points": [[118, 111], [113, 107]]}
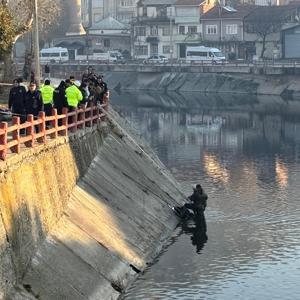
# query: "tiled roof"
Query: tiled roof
{"points": [[217, 12], [157, 2], [109, 24], [271, 13], [188, 2]]}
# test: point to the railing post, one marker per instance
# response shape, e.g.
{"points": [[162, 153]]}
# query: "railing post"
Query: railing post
{"points": [[16, 135], [106, 101], [81, 117], [30, 131], [95, 112], [54, 123], [74, 120], [65, 120], [42, 127], [90, 114], [3, 140]]}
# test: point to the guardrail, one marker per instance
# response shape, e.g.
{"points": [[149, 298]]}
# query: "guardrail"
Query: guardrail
{"points": [[181, 62], [40, 130]]}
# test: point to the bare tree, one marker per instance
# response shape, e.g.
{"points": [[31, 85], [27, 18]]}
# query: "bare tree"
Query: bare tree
{"points": [[21, 18], [265, 21]]}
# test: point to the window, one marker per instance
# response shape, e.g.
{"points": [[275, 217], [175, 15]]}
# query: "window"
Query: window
{"points": [[141, 50], [153, 49], [106, 43], [192, 29], [166, 49], [181, 29], [211, 29], [153, 30], [166, 30], [197, 53], [125, 3], [231, 29], [140, 31]]}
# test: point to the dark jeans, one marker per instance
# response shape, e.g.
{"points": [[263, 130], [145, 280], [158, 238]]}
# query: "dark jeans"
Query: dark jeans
{"points": [[48, 112], [70, 109]]}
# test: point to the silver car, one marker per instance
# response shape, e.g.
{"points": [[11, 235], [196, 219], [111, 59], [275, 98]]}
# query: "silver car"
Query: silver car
{"points": [[159, 59]]}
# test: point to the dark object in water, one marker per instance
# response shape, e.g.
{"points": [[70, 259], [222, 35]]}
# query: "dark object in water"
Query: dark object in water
{"points": [[183, 213]]}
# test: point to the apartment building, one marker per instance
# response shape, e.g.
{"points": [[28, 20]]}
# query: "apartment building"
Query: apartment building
{"points": [[94, 11], [154, 29]]}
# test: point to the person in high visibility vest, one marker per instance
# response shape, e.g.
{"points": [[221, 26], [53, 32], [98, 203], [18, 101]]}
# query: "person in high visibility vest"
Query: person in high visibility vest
{"points": [[73, 95], [47, 96]]}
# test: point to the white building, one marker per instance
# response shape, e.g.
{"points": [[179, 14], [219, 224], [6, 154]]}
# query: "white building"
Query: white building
{"points": [[93, 11], [187, 22], [154, 29]]}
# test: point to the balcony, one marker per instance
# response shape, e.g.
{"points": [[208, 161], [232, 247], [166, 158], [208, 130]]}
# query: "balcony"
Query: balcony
{"points": [[152, 39], [187, 20], [188, 38], [149, 20]]}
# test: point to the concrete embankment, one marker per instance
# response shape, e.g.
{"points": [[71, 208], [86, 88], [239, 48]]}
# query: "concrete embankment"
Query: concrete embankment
{"points": [[205, 79], [83, 215], [287, 86]]}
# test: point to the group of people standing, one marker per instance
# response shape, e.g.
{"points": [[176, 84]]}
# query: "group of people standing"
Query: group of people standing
{"points": [[69, 94]]}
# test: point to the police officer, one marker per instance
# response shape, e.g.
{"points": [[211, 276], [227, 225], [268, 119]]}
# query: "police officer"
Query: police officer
{"points": [[33, 100], [73, 95], [47, 96], [16, 101]]}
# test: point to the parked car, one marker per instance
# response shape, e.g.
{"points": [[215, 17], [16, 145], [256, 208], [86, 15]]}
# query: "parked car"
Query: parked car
{"points": [[160, 59]]}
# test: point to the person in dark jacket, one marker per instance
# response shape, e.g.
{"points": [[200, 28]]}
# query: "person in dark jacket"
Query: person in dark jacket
{"points": [[101, 90], [47, 71], [16, 101], [59, 97], [60, 100], [33, 100], [84, 89], [198, 199]]}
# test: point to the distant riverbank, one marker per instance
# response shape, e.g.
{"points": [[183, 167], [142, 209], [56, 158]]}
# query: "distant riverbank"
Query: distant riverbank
{"points": [[285, 86]]}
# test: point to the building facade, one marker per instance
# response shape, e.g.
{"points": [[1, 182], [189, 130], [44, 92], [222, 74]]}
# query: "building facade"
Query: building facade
{"points": [[188, 27], [222, 27], [154, 29], [93, 11]]}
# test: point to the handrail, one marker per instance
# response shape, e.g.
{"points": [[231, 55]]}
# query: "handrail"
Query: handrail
{"points": [[38, 131]]}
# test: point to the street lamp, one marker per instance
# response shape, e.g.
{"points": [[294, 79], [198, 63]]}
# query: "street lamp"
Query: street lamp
{"points": [[36, 45]]}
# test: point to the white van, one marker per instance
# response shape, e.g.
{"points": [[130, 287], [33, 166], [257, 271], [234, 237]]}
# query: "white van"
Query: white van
{"points": [[202, 53], [55, 54], [104, 57]]}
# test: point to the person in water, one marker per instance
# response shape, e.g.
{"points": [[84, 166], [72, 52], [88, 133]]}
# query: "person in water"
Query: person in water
{"points": [[198, 199]]}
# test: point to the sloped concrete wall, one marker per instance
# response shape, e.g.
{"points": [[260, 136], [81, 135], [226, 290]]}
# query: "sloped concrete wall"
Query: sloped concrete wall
{"points": [[77, 230], [182, 82]]}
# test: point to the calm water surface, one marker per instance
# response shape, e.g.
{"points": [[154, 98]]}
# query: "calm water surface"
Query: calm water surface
{"points": [[246, 154]]}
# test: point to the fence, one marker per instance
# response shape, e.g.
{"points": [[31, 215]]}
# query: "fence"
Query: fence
{"points": [[37, 131]]}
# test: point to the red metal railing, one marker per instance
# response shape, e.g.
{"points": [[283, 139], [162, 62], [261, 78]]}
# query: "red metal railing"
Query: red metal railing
{"points": [[38, 131]]}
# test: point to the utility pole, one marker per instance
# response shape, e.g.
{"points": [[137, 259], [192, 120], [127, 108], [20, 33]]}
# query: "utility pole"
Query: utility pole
{"points": [[171, 33], [36, 45]]}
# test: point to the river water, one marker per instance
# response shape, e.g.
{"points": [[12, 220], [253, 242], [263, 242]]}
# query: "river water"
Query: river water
{"points": [[246, 154]]}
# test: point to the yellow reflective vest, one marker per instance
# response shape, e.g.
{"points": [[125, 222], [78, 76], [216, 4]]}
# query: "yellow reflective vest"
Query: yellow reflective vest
{"points": [[74, 96], [47, 94]]}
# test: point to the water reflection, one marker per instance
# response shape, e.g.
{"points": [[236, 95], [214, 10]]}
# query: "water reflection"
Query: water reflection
{"points": [[197, 230], [246, 155]]}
